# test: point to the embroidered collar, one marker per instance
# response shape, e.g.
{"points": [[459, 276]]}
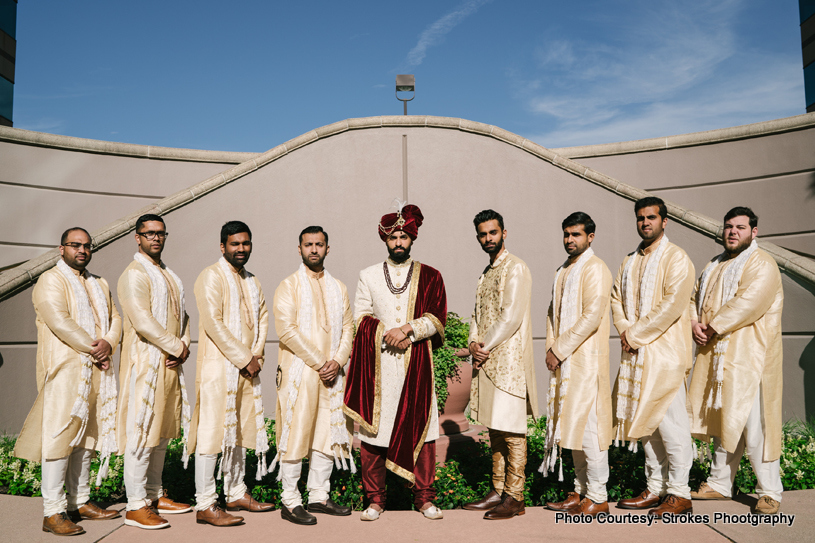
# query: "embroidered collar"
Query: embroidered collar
{"points": [[500, 259], [404, 264], [651, 248]]}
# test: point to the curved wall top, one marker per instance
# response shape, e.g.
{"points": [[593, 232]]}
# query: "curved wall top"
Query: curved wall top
{"points": [[20, 277]]}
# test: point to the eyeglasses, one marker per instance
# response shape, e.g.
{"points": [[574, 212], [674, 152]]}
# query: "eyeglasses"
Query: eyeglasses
{"points": [[86, 246], [153, 235]]}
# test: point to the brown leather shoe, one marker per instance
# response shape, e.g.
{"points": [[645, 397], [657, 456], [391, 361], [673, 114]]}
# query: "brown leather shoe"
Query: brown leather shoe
{"points": [[572, 499], [91, 511], [166, 506], [217, 517], [297, 515], [673, 505], [145, 518], [484, 504], [329, 508], [707, 493], [590, 508], [508, 508], [248, 503], [60, 524], [646, 500]]}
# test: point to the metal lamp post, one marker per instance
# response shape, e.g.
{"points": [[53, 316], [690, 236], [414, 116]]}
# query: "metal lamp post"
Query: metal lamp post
{"points": [[405, 83]]}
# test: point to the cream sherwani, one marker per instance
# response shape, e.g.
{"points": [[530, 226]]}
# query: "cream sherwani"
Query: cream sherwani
{"points": [[60, 341], [585, 418], [215, 345], [750, 417], [504, 391], [310, 430], [141, 329], [663, 335], [374, 298]]}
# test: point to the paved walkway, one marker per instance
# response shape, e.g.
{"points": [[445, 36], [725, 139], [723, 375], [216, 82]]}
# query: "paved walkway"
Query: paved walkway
{"points": [[21, 521]]}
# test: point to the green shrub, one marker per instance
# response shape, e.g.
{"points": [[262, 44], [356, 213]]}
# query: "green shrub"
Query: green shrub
{"points": [[445, 363], [464, 478]]}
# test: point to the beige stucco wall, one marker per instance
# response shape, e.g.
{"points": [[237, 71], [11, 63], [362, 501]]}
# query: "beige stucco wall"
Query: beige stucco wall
{"points": [[347, 181]]}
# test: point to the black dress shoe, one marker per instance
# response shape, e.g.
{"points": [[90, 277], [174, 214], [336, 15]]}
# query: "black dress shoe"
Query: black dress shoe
{"points": [[329, 508], [298, 515]]}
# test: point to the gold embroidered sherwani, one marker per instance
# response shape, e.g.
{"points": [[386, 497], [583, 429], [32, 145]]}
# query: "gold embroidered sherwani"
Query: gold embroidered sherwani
{"points": [[140, 330], [587, 344], [60, 340], [504, 390], [663, 333], [753, 360], [215, 344], [311, 418]]}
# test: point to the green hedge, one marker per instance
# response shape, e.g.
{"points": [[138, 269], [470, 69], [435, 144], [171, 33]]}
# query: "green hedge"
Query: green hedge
{"points": [[462, 479]]}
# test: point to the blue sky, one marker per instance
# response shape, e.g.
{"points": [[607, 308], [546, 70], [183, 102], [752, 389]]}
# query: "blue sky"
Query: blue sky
{"points": [[248, 75]]}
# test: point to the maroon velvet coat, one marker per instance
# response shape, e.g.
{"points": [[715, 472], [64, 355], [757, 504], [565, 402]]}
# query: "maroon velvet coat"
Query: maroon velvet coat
{"points": [[415, 403]]}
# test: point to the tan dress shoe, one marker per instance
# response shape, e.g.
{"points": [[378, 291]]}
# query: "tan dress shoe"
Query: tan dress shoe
{"points": [[590, 508], [248, 503], [217, 517], [166, 506], [646, 500], [572, 499], [508, 508], [707, 493], [673, 505], [60, 524], [484, 504], [767, 506], [91, 511], [145, 518]]}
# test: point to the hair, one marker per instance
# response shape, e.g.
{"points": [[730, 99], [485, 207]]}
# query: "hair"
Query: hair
{"points": [[578, 217], [649, 201], [234, 227], [488, 215], [313, 230], [147, 218], [740, 211], [64, 237]]}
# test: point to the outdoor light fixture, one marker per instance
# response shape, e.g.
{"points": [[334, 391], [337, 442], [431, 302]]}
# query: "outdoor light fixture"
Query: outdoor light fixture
{"points": [[405, 83]]}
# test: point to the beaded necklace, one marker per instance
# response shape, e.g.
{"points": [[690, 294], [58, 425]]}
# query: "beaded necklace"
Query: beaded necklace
{"points": [[393, 289]]}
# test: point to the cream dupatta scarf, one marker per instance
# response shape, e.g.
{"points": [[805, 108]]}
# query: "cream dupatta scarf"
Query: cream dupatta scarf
{"points": [[565, 320], [730, 279], [231, 416], [340, 440], [631, 365], [108, 394], [159, 303]]}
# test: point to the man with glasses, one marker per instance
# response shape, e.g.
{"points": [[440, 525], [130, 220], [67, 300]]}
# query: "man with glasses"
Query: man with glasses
{"points": [[78, 329], [153, 406]]}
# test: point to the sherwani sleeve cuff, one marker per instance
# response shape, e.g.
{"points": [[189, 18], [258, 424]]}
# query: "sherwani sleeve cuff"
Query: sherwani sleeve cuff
{"points": [[423, 328], [209, 296], [515, 304]]}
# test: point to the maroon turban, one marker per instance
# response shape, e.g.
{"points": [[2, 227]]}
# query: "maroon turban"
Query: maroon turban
{"points": [[409, 219]]}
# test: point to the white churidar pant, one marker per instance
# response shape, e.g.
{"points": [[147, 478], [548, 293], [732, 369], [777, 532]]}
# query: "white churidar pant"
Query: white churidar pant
{"points": [[724, 466], [591, 464], [669, 451], [73, 472], [318, 484]]}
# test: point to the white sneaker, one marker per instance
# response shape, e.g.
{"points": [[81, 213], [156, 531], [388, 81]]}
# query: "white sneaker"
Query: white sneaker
{"points": [[433, 513], [370, 514]]}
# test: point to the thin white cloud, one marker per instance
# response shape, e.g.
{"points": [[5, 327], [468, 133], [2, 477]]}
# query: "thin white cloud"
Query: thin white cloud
{"points": [[670, 68], [435, 33]]}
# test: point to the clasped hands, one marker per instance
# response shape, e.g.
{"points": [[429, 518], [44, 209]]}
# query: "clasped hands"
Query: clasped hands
{"points": [[101, 354], [702, 333], [625, 345], [175, 361], [398, 338], [251, 369], [479, 354], [329, 372]]}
